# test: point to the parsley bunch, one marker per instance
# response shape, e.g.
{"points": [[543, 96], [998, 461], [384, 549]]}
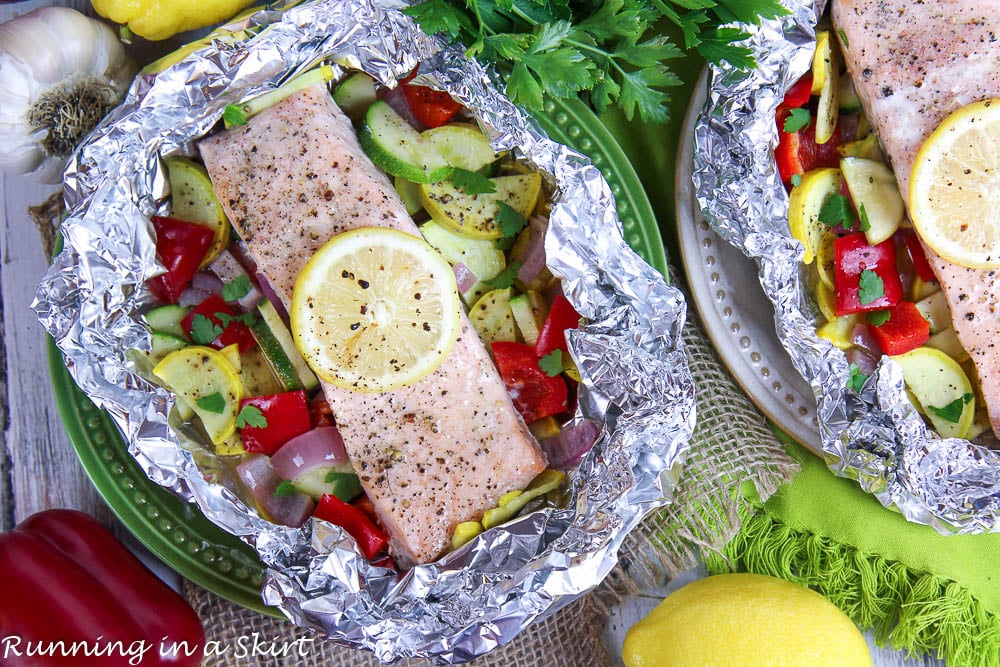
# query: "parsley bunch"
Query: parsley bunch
{"points": [[605, 50]]}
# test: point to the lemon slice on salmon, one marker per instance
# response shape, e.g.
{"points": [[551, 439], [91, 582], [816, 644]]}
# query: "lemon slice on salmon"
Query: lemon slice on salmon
{"points": [[375, 309], [955, 187]]}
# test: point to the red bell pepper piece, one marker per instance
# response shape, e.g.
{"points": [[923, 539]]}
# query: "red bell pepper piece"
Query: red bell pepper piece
{"points": [[905, 330], [858, 268], [920, 264], [287, 416], [798, 152], [798, 95], [68, 579], [370, 538], [534, 393], [233, 332], [431, 107], [552, 337], [180, 247]]}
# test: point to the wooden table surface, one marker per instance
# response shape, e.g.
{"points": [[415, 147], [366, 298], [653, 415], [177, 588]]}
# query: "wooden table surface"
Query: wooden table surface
{"points": [[38, 469]]}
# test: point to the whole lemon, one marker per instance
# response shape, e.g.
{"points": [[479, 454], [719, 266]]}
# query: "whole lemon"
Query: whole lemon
{"points": [[748, 620]]}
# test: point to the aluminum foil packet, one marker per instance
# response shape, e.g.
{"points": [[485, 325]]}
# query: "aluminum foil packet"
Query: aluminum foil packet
{"points": [[874, 436], [630, 355]]}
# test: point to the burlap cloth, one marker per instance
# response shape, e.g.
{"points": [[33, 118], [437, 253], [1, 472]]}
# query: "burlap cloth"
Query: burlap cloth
{"points": [[731, 445]]}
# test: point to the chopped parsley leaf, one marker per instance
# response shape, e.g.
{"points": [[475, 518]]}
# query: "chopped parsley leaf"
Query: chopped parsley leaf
{"points": [[505, 278], [286, 488], [953, 411], [551, 364], [836, 211], [204, 330], [865, 222], [237, 288], [796, 120], [472, 182], [250, 415], [510, 220], [227, 319], [879, 317], [857, 379], [870, 287], [214, 403], [233, 115]]}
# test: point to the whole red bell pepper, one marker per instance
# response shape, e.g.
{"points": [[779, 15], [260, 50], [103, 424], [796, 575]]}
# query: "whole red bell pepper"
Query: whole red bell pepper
{"points": [[180, 247], [905, 330], [865, 276], [431, 107], [68, 582], [534, 393], [370, 538], [286, 415], [562, 316], [216, 309]]}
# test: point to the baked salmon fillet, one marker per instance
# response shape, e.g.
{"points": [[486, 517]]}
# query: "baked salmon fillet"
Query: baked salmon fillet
{"points": [[913, 64], [429, 455]]}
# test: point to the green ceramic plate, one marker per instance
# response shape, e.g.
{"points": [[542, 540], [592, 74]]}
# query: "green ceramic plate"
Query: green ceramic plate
{"points": [[176, 531]]}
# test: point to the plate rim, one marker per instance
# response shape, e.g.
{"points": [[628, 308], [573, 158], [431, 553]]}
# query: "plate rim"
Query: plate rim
{"points": [[802, 428], [115, 474]]}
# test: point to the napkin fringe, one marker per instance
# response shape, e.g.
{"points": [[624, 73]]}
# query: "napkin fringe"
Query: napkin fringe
{"points": [[910, 610]]}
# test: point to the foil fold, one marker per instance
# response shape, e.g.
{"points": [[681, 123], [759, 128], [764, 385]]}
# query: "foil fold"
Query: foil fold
{"points": [[635, 376], [874, 436]]}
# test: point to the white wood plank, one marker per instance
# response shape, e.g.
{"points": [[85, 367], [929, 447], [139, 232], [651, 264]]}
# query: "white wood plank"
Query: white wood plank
{"points": [[43, 467]]}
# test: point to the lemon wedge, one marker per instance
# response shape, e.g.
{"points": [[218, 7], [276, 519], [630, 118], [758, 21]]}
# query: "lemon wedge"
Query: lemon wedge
{"points": [[955, 187], [375, 309], [205, 380]]}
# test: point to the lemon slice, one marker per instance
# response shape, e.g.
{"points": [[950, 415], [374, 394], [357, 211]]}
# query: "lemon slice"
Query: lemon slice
{"points": [[375, 309], [955, 187], [206, 380]]}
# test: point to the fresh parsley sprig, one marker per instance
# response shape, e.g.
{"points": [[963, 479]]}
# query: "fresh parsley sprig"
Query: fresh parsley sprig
{"points": [[606, 50]]}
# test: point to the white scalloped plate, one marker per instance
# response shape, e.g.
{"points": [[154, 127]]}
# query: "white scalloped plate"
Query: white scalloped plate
{"points": [[736, 313]]}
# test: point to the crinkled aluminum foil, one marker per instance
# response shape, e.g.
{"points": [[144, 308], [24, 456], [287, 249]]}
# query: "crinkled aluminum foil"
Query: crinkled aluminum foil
{"points": [[635, 374], [877, 437]]}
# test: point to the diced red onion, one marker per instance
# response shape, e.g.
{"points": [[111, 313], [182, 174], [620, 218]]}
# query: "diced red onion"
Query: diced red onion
{"points": [[243, 256], [260, 478], [207, 281], [862, 337], [250, 299], [906, 277], [532, 254], [864, 360], [568, 447], [192, 296], [847, 127], [395, 98], [272, 296], [320, 447], [464, 277]]}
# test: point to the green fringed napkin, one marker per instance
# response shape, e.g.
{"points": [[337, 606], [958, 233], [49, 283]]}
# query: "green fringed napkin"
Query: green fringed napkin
{"points": [[919, 590]]}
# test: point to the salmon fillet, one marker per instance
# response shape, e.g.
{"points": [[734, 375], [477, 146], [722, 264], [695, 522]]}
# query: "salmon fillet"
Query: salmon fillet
{"points": [[429, 455], [913, 64]]}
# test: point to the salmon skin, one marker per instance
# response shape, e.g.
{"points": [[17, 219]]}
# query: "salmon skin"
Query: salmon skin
{"points": [[913, 64], [430, 455]]}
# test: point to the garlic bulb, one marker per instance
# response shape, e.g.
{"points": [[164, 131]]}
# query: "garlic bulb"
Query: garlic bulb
{"points": [[60, 73]]}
